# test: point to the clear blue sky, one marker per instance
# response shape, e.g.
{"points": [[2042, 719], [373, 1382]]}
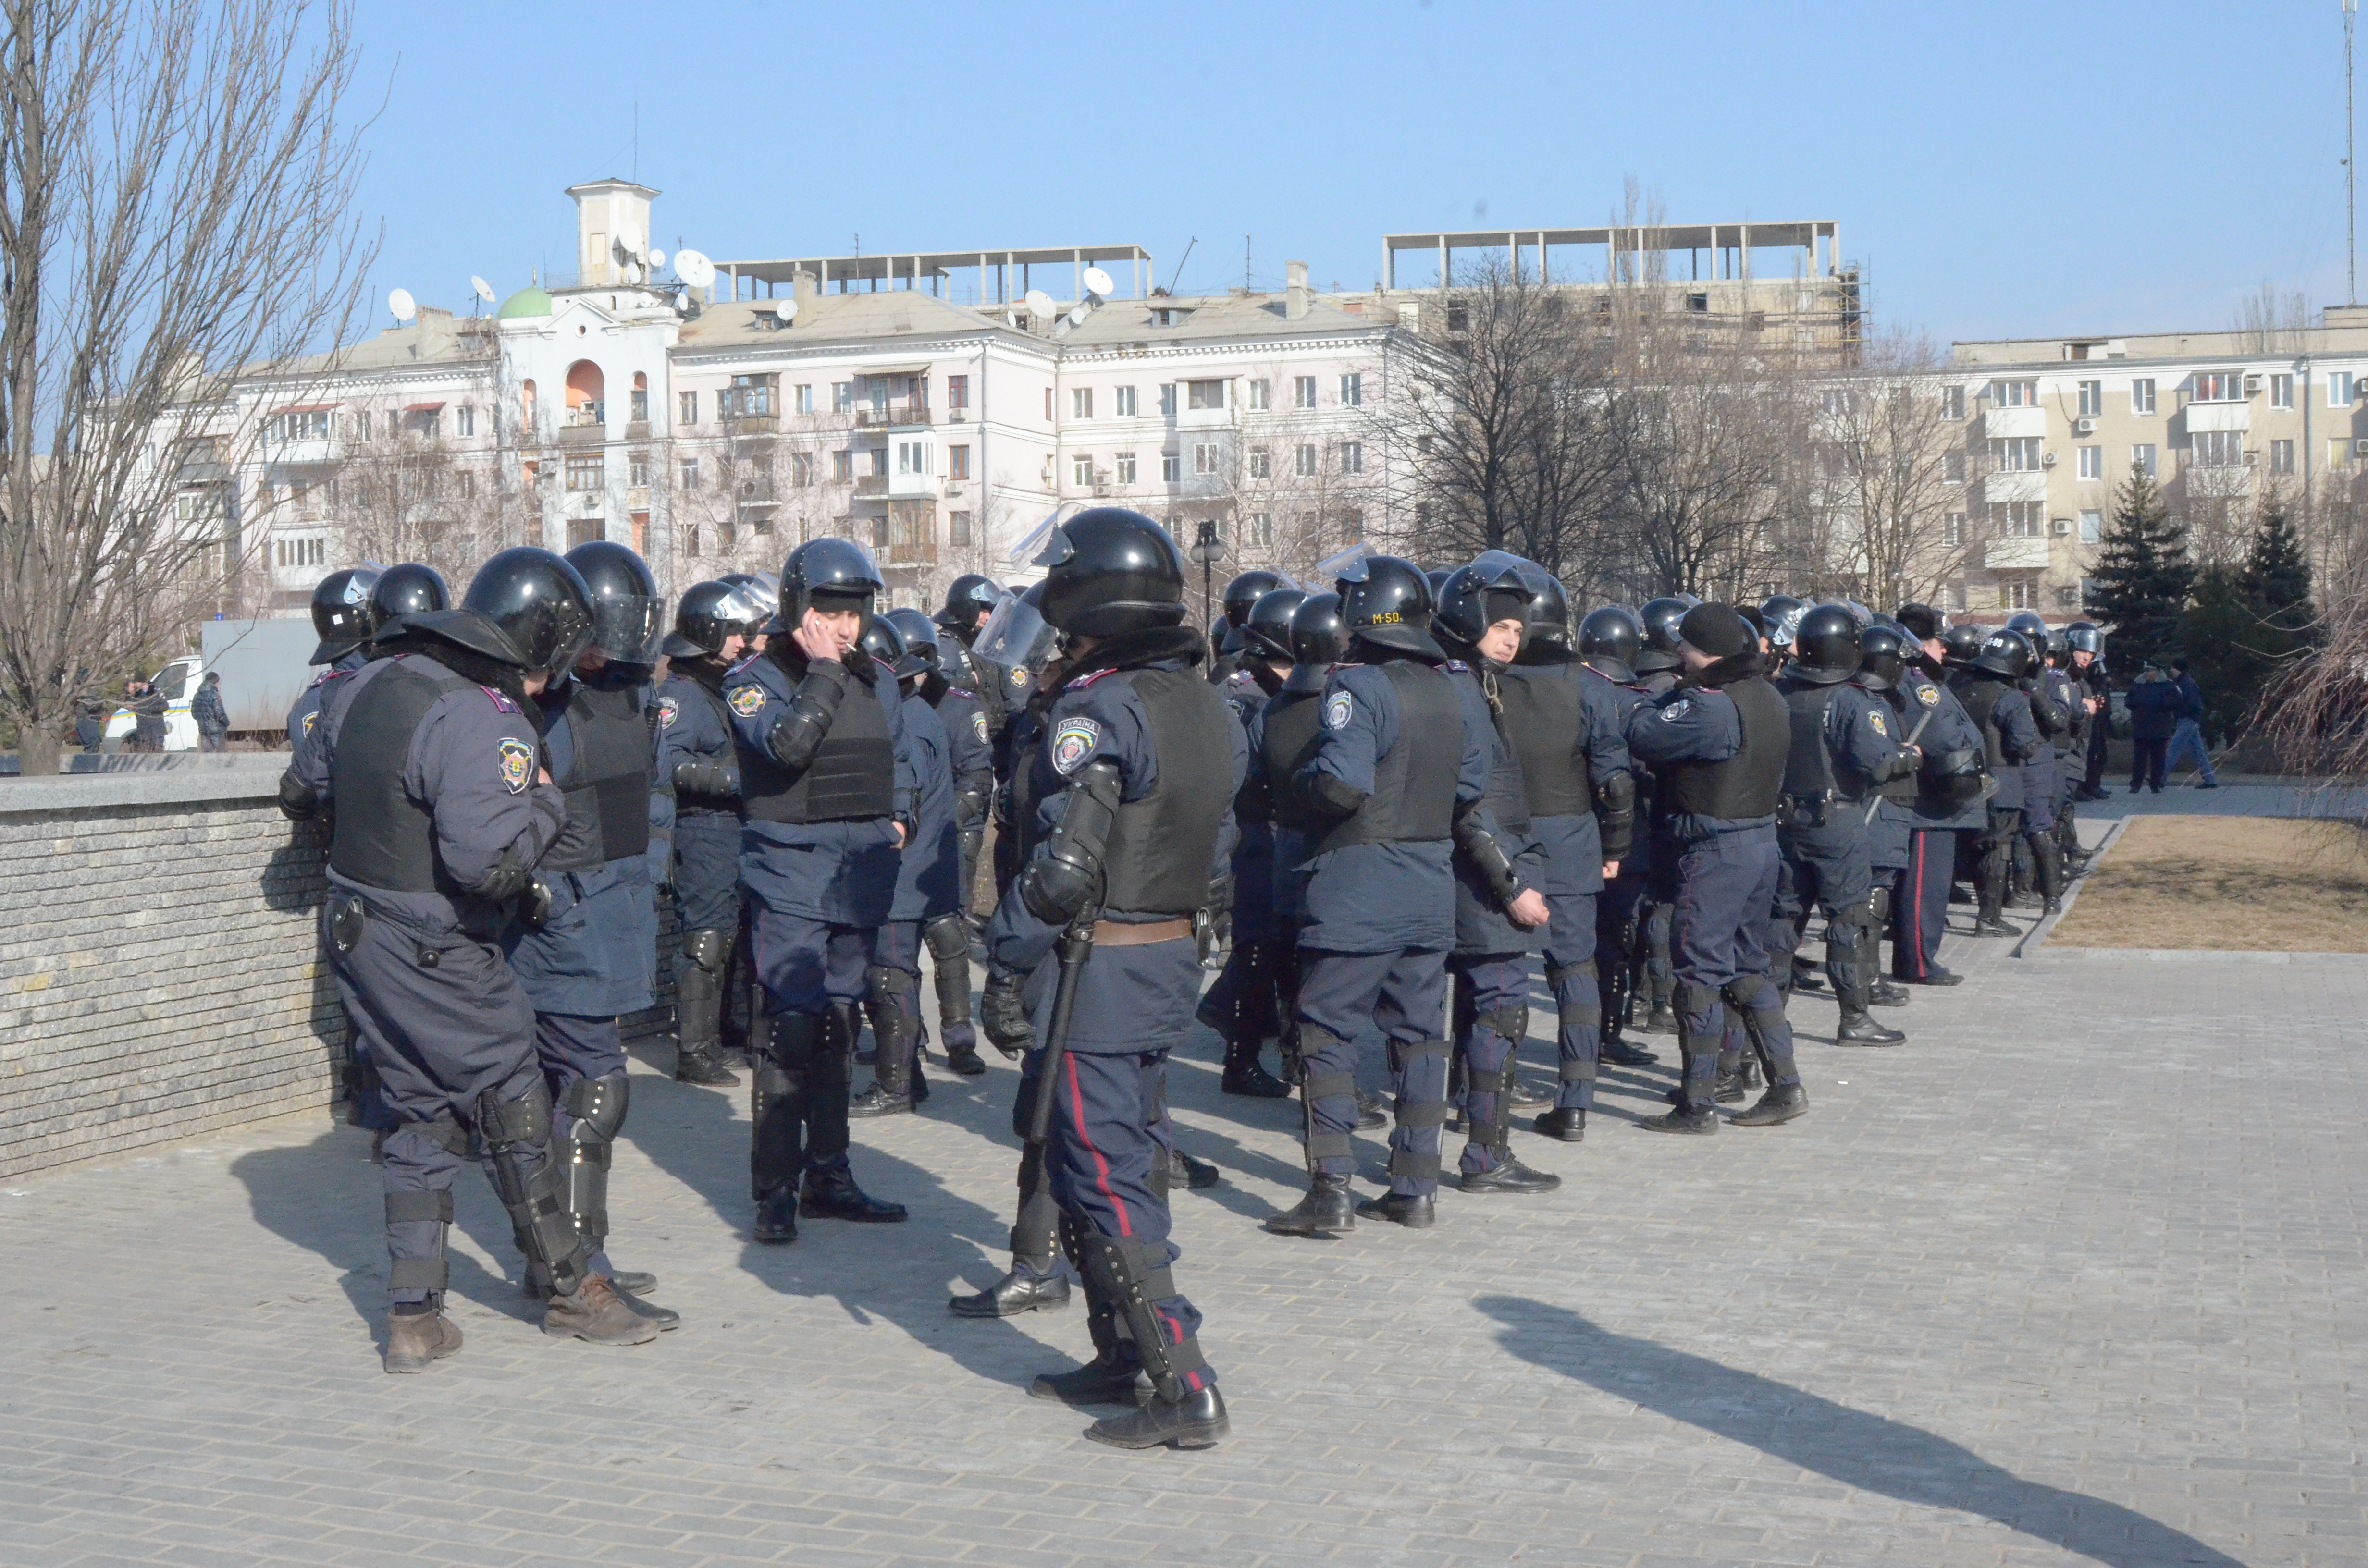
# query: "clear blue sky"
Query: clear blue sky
{"points": [[2000, 169]]}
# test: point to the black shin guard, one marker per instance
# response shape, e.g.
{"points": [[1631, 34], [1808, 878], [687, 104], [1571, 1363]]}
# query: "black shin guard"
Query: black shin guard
{"points": [[532, 1188]]}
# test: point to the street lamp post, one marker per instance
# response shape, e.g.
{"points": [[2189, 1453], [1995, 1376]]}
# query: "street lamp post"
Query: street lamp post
{"points": [[1206, 550]]}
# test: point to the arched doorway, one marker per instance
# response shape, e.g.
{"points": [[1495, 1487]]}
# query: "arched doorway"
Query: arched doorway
{"points": [[587, 402]]}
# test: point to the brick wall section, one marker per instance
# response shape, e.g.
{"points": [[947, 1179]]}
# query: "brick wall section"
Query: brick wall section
{"points": [[157, 962]]}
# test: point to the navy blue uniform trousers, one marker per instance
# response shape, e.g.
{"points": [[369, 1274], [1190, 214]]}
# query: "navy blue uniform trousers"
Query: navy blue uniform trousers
{"points": [[1727, 885], [1919, 909], [1404, 995]]}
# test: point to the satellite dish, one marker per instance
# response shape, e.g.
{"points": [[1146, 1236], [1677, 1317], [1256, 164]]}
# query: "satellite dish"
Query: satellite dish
{"points": [[1077, 315], [682, 299], [402, 305], [1039, 302], [658, 259], [485, 289], [786, 310], [1100, 282], [693, 268]]}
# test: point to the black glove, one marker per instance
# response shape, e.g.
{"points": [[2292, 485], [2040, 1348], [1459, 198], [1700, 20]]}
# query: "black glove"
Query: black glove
{"points": [[1002, 1015]]}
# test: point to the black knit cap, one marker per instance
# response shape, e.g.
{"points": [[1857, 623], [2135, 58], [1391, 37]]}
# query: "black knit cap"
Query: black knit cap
{"points": [[1717, 630]]}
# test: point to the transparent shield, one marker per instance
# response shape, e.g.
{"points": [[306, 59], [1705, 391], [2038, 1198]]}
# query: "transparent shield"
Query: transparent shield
{"points": [[628, 627], [1015, 636]]}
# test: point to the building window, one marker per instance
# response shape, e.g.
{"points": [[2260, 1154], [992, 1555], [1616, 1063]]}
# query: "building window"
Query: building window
{"points": [[2219, 386], [2339, 390], [2015, 394], [2142, 396], [1261, 463], [956, 393], [1205, 394], [957, 523], [687, 540], [468, 487], [842, 466], [2281, 391], [1081, 470], [1352, 457], [1081, 403], [2014, 454], [2018, 593], [748, 397], [690, 473], [801, 468], [1952, 529], [2142, 457], [1306, 465], [2092, 399], [1259, 530], [2019, 519], [913, 459], [1123, 402], [686, 408], [586, 471], [1952, 466], [1302, 391], [958, 462], [1167, 400], [637, 471], [842, 397], [2092, 527], [1125, 464], [2092, 463], [802, 400], [2281, 457], [1171, 467], [1257, 396], [464, 419], [2216, 449], [880, 526], [1048, 405], [879, 463], [1953, 403], [1204, 457], [1352, 390], [2339, 454]]}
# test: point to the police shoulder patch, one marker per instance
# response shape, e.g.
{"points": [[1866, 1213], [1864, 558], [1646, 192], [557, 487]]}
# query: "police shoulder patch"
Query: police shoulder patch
{"points": [[1928, 694], [1074, 740], [1337, 709], [1019, 675], [747, 700], [1880, 728], [1458, 666], [978, 727], [1677, 710], [668, 709], [501, 700], [308, 721], [518, 766]]}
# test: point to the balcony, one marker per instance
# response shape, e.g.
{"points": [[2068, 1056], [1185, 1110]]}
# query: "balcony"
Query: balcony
{"points": [[2028, 485], [582, 433], [871, 486], [2219, 417], [892, 415], [2014, 554], [755, 424], [2007, 423]]}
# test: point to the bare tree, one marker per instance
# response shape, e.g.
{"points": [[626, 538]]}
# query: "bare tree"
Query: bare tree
{"points": [[2269, 321], [160, 165], [401, 490], [1880, 450]]}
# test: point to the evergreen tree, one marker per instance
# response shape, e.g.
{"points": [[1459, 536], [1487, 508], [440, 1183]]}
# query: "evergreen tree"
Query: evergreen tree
{"points": [[2276, 584], [2248, 621], [2143, 575]]}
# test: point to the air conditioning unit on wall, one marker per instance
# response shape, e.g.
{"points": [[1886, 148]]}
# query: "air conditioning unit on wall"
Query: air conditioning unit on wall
{"points": [[2047, 459], [2085, 426]]}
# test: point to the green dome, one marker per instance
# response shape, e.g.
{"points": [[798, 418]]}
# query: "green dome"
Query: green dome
{"points": [[527, 303]]}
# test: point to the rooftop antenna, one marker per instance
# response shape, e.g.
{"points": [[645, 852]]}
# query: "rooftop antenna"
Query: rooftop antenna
{"points": [[399, 301], [485, 290], [1180, 264], [1245, 264], [2351, 177]]}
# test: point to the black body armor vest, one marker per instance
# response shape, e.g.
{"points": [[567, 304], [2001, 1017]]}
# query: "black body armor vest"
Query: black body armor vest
{"points": [[1981, 700], [1414, 785], [382, 837], [1286, 746], [853, 776], [1808, 765], [608, 779], [1162, 846], [1508, 795], [1748, 784], [1543, 714]]}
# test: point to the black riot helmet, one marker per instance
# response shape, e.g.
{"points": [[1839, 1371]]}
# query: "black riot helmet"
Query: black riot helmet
{"points": [[1779, 613], [1477, 597], [879, 640], [1661, 616], [831, 570], [1267, 633], [2082, 637], [2031, 625], [1826, 646], [1437, 577], [1385, 600], [762, 586], [1108, 571], [342, 613], [537, 605], [1923, 623], [407, 589], [1883, 653], [1545, 622], [1961, 642], [968, 598], [1608, 641], [711, 614], [628, 617], [919, 633], [1244, 590], [2006, 653], [1318, 635]]}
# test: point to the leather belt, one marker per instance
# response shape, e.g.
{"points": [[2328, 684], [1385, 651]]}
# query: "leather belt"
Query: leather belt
{"points": [[1126, 934]]}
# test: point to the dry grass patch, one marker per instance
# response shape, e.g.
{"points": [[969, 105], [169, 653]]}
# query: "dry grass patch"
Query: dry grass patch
{"points": [[2229, 884]]}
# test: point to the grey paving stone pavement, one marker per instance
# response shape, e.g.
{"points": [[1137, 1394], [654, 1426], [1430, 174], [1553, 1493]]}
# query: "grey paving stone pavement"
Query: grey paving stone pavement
{"points": [[2076, 1276]]}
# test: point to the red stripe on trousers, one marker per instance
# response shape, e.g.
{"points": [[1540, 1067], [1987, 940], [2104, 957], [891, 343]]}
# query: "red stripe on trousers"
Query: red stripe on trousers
{"points": [[1102, 1166]]}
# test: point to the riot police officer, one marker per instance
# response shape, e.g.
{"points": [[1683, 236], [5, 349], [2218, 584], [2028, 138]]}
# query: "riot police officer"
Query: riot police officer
{"points": [[970, 600], [1611, 641], [1719, 744], [1242, 594], [345, 621], [1943, 800], [827, 798], [1130, 831], [1843, 743], [1988, 686], [2036, 858], [1398, 779], [442, 810], [1500, 912], [1659, 667], [696, 756], [2086, 659], [1565, 721], [970, 762]]}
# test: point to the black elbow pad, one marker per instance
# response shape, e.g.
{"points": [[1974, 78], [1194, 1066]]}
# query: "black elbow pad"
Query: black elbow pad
{"points": [[1332, 796], [297, 801], [1615, 814], [799, 733], [1487, 856], [709, 780], [1062, 880]]}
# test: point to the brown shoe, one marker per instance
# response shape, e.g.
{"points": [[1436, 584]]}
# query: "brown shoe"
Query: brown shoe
{"points": [[597, 1313], [414, 1340]]}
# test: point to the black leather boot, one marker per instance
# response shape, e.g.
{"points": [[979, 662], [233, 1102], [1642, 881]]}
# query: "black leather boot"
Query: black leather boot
{"points": [[1022, 1291], [1510, 1175], [1327, 1210], [1861, 1029], [1570, 1126], [1194, 1174], [1247, 1075], [1415, 1211], [1196, 1421], [1371, 1113], [831, 1194], [890, 1092], [1779, 1104], [776, 1216], [1099, 1382], [1617, 1052]]}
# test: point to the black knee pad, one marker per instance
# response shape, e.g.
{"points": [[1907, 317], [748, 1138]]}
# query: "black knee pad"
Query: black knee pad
{"points": [[947, 938], [710, 950], [598, 1106]]}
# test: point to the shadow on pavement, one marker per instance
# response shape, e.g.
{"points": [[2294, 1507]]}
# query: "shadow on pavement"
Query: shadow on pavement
{"points": [[1869, 1452]]}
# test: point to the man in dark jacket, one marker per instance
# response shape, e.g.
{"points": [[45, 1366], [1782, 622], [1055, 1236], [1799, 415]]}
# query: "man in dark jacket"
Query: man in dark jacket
{"points": [[2154, 717], [212, 719], [148, 710], [2187, 734]]}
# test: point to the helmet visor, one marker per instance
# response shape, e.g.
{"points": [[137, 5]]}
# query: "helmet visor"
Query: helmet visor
{"points": [[627, 627], [1016, 635]]}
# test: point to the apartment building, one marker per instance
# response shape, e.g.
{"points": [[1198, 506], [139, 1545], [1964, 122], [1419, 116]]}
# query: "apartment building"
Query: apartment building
{"points": [[2049, 428]]}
